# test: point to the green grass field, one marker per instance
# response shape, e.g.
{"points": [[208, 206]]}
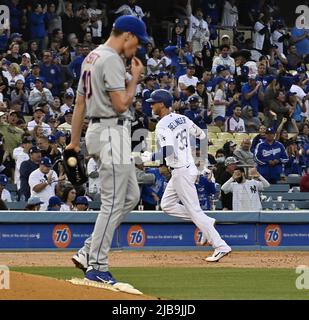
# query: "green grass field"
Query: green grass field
{"points": [[197, 283]]}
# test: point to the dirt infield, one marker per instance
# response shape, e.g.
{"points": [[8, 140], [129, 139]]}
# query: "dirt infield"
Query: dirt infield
{"points": [[30, 287], [33, 287], [258, 259]]}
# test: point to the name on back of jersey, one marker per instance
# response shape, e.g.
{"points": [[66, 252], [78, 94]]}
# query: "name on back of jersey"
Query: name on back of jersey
{"points": [[177, 122]]}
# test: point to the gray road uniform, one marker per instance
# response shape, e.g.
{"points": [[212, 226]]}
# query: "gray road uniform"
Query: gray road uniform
{"points": [[108, 139]]}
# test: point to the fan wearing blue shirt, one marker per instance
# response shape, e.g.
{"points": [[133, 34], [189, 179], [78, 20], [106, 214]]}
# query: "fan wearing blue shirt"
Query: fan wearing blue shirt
{"points": [[196, 114], [251, 94], [301, 39], [151, 195], [270, 157], [205, 188]]}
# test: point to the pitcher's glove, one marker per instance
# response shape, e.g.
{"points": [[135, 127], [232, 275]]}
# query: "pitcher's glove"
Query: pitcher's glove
{"points": [[74, 167]]}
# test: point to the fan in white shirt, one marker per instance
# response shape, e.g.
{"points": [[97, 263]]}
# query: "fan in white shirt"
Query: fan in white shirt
{"points": [[187, 79], [5, 194], [93, 174], [235, 123], [198, 29], [43, 182], [21, 154], [131, 9], [38, 116], [260, 28], [68, 102], [155, 64], [68, 197], [245, 192], [230, 14]]}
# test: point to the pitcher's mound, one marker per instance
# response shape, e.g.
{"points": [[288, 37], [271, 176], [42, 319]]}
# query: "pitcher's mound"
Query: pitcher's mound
{"points": [[25, 286]]}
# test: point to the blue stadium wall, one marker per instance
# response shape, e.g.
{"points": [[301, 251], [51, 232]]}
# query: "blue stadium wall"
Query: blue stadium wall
{"points": [[155, 231]]}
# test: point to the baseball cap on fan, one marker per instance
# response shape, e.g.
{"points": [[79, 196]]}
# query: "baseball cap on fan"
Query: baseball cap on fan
{"points": [[134, 25]]}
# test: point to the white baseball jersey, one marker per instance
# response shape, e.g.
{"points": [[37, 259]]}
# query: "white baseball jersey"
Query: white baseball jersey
{"points": [[175, 130], [246, 195], [37, 177], [234, 125]]}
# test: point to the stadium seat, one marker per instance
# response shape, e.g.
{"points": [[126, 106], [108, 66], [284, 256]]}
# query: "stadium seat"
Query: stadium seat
{"points": [[226, 136], [277, 188], [261, 116], [212, 136], [95, 205], [293, 72], [291, 135], [301, 196], [241, 136], [12, 187], [253, 135], [214, 129], [20, 205], [219, 142], [293, 180], [212, 150]]}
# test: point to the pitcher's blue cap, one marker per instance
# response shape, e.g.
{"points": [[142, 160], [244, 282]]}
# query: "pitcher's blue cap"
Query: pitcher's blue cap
{"points": [[134, 25], [161, 95]]}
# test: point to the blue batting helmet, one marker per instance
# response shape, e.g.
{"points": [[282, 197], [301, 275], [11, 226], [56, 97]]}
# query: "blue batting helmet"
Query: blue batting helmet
{"points": [[161, 95]]}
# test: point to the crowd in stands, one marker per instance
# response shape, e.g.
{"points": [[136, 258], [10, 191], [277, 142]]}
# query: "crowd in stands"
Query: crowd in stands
{"points": [[252, 94]]}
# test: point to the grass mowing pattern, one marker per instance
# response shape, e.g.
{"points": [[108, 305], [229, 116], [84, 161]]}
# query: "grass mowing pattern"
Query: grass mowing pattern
{"points": [[197, 283]]}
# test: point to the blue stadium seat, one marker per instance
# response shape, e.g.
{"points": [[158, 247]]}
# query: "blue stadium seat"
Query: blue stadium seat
{"points": [[20, 205], [277, 188], [95, 205]]}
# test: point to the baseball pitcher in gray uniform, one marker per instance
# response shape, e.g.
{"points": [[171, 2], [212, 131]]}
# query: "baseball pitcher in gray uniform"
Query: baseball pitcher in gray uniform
{"points": [[105, 97]]}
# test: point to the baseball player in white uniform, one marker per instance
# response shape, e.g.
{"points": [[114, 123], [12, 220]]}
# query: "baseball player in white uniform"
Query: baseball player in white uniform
{"points": [[173, 135]]}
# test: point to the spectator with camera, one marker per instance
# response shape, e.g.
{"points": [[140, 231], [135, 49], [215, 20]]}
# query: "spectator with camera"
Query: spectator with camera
{"points": [[245, 192]]}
